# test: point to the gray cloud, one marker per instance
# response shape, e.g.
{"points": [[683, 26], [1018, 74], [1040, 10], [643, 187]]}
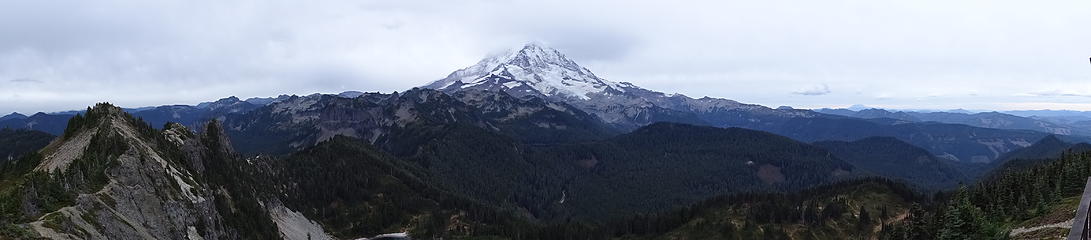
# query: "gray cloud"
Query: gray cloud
{"points": [[25, 80], [138, 53], [816, 90]]}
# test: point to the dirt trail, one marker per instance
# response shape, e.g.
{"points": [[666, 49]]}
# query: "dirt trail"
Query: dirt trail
{"points": [[1017, 231]]}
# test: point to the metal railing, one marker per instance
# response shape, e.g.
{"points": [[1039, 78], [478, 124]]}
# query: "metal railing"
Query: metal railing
{"points": [[1080, 224]]}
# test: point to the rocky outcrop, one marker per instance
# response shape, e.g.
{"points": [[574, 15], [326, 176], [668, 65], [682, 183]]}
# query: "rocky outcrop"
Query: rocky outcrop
{"points": [[143, 191], [126, 180]]}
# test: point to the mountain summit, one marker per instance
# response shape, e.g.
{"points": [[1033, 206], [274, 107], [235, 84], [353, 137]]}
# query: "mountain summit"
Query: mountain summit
{"points": [[531, 70], [536, 71]]}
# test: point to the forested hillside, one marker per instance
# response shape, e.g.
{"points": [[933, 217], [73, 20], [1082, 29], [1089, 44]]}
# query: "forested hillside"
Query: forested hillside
{"points": [[892, 158], [990, 209], [859, 209], [650, 170], [343, 182], [14, 143]]}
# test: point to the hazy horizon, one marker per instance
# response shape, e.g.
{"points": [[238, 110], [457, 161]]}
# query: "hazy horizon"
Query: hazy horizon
{"points": [[981, 55]]}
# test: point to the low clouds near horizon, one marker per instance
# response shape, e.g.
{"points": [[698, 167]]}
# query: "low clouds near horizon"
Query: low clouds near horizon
{"points": [[67, 54]]}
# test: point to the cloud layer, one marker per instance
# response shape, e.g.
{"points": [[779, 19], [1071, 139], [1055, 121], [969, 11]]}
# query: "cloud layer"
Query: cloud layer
{"points": [[66, 54], [816, 90]]}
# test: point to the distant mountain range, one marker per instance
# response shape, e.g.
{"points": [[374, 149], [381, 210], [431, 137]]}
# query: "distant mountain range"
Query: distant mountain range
{"points": [[983, 119], [188, 115], [541, 72], [544, 89], [522, 145]]}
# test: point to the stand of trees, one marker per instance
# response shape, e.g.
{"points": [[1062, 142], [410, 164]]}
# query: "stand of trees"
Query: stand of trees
{"points": [[986, 210]]}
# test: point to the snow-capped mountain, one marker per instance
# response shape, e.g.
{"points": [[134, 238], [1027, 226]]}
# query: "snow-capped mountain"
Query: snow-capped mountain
{"points": [[538, 71], [531, 70]]}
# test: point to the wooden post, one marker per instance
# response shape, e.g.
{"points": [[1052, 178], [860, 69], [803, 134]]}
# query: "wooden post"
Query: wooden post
{"points": [[1080, 223]]}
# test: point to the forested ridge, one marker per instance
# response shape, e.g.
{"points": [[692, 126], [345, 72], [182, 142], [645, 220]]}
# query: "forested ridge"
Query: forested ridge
{"points": [[895, 159], [459, 181], [14, 143], [989, 209]]}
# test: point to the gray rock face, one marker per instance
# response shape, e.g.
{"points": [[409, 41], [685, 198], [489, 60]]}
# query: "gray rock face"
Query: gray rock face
{"points": [[152, 185], [300, 122], [148, 193]]}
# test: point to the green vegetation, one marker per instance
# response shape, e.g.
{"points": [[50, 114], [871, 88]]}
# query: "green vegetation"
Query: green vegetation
{"points": [[236, 187], [653, 169], [457, 180], [343, 182], [991, 208], [48, 192], [856, 209], [892, 158], [26, 194], [16, 143]]}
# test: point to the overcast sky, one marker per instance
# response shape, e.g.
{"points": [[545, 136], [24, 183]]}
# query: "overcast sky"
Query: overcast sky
{"points": [[921, 54]]}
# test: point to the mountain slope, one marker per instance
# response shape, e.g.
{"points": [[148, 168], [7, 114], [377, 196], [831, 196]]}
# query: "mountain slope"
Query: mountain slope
{"points": [[654, 169], [101, 173], [553, 75], [13, 115], [193, 116], [856, 209], [343, 182], [14, 143], [49, 123], [535, 120], [541, 72], [1038, 195], [112, 176], [387, 120], [1047, 149], [892, 158], [666, 165], [984, 119]]}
